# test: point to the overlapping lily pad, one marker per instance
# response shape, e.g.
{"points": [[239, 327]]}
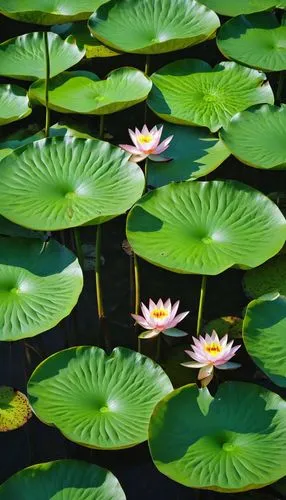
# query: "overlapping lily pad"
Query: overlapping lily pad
{"points": [[256, 136], [97, 400], [194, 152], [205, 227], [48, 11], [237, 7], [65, 182], [230, 325], [63, 479], [264, 329], [15, 410], [190, 92], [271, 277], [80, 31], [84, 92], [23, 57], [14, 103], [163, 26], [257, 40], [40, 283], [230, 443]]}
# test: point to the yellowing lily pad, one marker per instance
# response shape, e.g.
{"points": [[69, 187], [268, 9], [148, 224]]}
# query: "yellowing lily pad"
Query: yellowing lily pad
{"points": [[15, 410]]}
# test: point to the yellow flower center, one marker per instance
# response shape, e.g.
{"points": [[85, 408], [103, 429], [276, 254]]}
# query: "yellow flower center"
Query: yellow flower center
{"points": [[159, 313], [145, 139], [213, 349]]}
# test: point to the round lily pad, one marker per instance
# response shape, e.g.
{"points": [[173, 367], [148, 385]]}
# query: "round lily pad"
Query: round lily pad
{"points": [[256, 136], [74, 92], [193, 151], [48, 11], [205, 227], [60, 182], [40, 283], [15, 410], [237, 7], [14, 104], [257, 40], [164, 26], [80, 31], [264, 329], [271, 277], [23, 57], [96, 400], [190, 92], [232, 442], [63, 479], [230, 325]]}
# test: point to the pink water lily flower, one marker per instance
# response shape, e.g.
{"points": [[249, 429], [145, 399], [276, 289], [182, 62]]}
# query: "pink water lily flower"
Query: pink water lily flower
{"points": [[210, 352], [147, 144], [161, 316]]}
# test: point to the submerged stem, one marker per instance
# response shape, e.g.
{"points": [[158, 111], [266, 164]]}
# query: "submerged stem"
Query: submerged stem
{"points": [[47, 80], [78, 246], [158, 347], [101, 127], [100, 309], [201, 305]]}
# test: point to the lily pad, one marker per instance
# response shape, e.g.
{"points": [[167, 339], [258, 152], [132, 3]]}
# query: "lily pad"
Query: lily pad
{"points": [[40, 283], [14, 104], [256, 137], [63, 479], [237, 7], [194, 153], [230, 443], [96, 400], [164, 26], [8, 228], [48, 11], [205, 227], [257, 40], [15, 410], [264, 330], [230, 325], [60, 182], [74, 92], [80, 31], [190, 92], [23, 57], [271, 277]]}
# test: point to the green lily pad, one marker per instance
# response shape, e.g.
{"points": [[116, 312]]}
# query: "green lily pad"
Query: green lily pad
{"points": [[194, 153], [73, 92], [190, 92], [14, 104], [230, 325], [271, 277], [40, 283], [256, 137], [237, 7], [205, 227], [264, 329], [60, 182], [23, 57], [80, 31], [48, 11], [63, 479], [257, 40], [8, 228], [164, 26], [15, 410], [96, 400], [230, 443]]}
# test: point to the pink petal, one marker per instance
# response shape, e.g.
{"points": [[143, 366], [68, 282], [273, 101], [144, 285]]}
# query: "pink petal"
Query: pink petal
{"points": [[152, 305], [130, 149], [133, 137], [206, 371], [178, 319], [190, 364], [160, 304], [164, 145], [145, 130], [137, 158], [168, 305], [145, 311], [157, 137], [141, 321], [197, 357]]}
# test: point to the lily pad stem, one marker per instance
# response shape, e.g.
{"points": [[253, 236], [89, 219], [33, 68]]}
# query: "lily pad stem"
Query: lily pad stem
{"points": [[201, 305], [47, 80], [137, 284], [78, 246], [100, 310], [101, 127]]}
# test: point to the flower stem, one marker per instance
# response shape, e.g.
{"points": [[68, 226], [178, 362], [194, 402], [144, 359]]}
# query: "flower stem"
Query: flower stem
{"points": [[280, 87], [47, 80], [158, 348], [100, 309], [139, 347], [201, 305], [78, 245], [137, 284], [101, 127]]}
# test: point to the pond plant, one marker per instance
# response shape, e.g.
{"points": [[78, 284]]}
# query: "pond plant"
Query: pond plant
{"points": [[198, 87]]}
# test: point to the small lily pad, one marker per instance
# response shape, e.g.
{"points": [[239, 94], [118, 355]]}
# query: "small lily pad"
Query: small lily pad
{"points": [[15, 410], [96, 400], [190, 92], [236, 7], [14, 104], [62, 480], [268, 278], [23, 57], [74, 92]]}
